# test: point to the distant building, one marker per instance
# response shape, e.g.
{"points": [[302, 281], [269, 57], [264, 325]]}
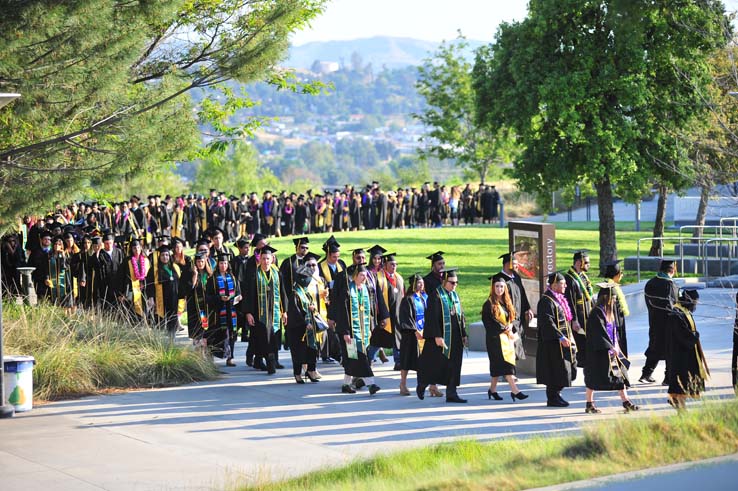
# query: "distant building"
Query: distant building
{"points": [[324, 67]]}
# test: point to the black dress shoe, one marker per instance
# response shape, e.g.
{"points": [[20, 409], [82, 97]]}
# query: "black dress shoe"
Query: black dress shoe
{"points": [[347, 389], [646, 379], [230, 362], [420, 390], [359, 383], [259, 365], [562, 401], [250, 361], [373, 389], [557, 403], [456, 399], [278, 365], [397, 367]]}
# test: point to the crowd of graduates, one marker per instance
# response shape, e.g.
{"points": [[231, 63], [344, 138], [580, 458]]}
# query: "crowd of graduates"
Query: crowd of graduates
{"points": [[320, 307]]}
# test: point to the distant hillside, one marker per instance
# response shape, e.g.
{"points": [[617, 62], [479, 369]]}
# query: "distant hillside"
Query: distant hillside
{"points": [[392, 52]]}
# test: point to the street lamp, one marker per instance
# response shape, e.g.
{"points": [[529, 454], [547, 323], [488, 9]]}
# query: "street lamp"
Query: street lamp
{"points": [[6, 410]]}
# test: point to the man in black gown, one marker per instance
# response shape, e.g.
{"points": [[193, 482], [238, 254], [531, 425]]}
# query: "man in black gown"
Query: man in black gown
{"points": [[445, 335], [579, 293], [661, 294], [433, 279]]}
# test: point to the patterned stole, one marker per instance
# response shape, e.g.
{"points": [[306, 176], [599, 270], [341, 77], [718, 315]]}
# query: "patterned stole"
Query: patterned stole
{"points": [[360, 316], [268, 296], [226, 288], [449, 304]]}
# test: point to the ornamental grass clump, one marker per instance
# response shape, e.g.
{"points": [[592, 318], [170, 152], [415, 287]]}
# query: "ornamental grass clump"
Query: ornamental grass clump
{"points": [[91, 351]]}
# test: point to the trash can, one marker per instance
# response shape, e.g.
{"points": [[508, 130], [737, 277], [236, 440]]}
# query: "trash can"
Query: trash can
{"points": [[19, 381]]}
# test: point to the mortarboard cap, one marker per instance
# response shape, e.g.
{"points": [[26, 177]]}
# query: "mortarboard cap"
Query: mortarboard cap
{"points": [[497, 277], [256, 239], [312, 255], [436, 256], [554, 277], [241, 242], [612, 268], [449, 273], [163, 248], [45, 233], [300, 240], [507, 257], [376, 250], [581, 253], [390, 257], [96, 239], [666, 263], [268, 249]]}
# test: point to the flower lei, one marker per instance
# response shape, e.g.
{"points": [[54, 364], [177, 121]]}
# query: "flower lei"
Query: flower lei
{"points": [[561, 300], [139, 267]]}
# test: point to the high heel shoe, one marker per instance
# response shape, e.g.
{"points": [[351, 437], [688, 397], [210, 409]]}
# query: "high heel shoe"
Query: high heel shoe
{"points": [[495, 395], [312, 376], [299, 379], [629, 406], [591, 409], [434, 392], [519, 395], [382, 356]]}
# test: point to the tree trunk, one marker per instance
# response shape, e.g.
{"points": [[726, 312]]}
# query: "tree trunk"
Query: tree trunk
{"points": [[702, 210], [658, 227], [608, 244]]}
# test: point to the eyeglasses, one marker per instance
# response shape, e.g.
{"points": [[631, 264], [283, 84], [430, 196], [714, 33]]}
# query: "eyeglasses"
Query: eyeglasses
{"points": [[452, 282]]}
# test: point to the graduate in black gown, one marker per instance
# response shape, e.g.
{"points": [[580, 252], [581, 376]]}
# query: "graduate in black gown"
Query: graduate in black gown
{"points": [[223, 295], [445, 337], [734, 356], [59, 278], [498, 314], [133, 274], [661, 295], [162, 290], [688, 369], [193, 288], [433, 279], [411, 321], [302, 327], [523, 313], [266, 308], [556, 364], [107, 264], [391, 286], [353, 324], [613, 275], [579, 293], [607, 365]]}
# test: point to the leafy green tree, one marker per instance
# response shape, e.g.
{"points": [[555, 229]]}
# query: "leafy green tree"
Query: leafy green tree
{"points": [[445, 81], [239, 171], [106, 85], [597, 91]]}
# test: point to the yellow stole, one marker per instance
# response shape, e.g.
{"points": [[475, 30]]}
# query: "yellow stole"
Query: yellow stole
{"points": [[384, 285], [327, 274], [158, 288], [701, 361], [508, 348]]}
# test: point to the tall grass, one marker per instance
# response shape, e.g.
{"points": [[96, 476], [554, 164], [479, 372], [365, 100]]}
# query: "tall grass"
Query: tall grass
{"points": [[90, 351], [603, 448]]}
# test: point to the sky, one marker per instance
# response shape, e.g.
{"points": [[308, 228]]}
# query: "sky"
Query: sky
{"points": [[429, 20]]}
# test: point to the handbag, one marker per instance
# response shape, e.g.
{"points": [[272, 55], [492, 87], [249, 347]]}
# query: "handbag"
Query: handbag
{"points": [[320, 323]]}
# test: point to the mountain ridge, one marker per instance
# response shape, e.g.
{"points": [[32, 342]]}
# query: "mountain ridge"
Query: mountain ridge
{"points": [[380, 51]]}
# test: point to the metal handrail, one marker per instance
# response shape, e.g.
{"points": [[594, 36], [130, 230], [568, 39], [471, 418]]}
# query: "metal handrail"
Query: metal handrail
{"points": [[718, 229], [727, 219], [705, 271]]}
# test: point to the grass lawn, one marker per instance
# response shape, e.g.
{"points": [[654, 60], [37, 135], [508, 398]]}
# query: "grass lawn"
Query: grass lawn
{"points": [[607, 447], [474, 250]]}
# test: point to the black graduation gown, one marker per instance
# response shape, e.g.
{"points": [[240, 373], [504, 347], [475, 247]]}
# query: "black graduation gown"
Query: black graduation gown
{"points": [[126, 285], [408, 327], [287, 269], [297, 322], [433, 366], [661, 295], [395, 295], [196, 301], [521, 304], [686, 366], [620, 324], [555, 366], [380, 337], [580, 309], [170, 294], [221, 330], [359, 367], [493, 329], [431, 281], [263, 337], [107, 282], [597, 374], [39, 259]]}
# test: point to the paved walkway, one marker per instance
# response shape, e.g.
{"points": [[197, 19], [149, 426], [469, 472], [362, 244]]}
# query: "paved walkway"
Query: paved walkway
{"points": [[248, 426]]}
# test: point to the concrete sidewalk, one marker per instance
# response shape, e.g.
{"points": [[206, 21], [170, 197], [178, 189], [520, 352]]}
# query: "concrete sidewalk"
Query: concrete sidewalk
{"points": [[248, 426]]}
